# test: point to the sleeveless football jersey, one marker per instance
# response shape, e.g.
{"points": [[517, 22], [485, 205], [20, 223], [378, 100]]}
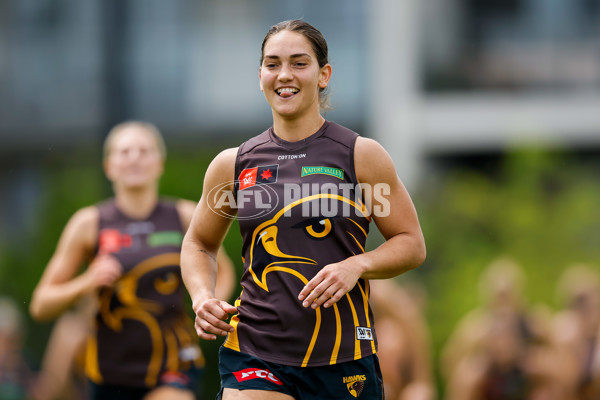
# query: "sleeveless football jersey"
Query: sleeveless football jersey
{"points": [[298, 211], [143, 334]]}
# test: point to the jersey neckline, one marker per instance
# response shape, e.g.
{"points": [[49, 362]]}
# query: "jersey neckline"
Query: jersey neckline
{"points": [[300, 143]]}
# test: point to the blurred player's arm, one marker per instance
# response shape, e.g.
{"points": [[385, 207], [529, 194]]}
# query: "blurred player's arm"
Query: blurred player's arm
{"points": [[464, 341], [60, 286], [422, 386], [399, 304]]}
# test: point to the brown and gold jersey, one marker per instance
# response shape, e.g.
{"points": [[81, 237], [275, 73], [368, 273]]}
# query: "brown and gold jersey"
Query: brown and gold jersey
{"points": [[299, 210], [142, 330]]}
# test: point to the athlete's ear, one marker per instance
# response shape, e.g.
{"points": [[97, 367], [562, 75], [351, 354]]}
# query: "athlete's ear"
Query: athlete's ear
{"points": [[259, 79], [325, 76]]}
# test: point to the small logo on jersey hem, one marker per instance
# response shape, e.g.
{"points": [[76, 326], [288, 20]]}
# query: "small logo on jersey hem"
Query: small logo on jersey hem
{"points": [[363, 333], [355, 384], [258, 175], [335, 172], [256, 373]]}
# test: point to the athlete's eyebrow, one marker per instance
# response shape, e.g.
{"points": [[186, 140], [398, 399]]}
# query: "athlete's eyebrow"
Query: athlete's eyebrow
{"points": [[298, 55]]}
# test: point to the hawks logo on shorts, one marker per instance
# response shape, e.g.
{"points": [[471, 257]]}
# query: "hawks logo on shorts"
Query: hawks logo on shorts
{"points": [[355, 384]]}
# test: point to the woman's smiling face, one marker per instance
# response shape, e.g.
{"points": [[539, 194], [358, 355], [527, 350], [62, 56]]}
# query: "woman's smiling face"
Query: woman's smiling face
{"points": [[134, 159], [290, 76]]}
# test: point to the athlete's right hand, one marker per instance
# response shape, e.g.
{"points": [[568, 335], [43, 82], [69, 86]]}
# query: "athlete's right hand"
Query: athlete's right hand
{"points": [[211, 314], [103, 271]]}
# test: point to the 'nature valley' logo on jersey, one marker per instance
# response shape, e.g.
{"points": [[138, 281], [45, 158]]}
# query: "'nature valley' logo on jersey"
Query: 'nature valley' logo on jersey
{"points": [[337, 172], [165, 238], [355, 384]]}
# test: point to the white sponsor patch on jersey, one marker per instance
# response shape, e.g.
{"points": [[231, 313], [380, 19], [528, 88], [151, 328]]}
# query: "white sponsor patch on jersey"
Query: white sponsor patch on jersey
{"points": [[363, 333]]}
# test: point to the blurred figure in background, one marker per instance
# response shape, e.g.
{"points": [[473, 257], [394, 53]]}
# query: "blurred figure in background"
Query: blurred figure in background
{"points": [[576, 333], [16, 377], [62, 374], [487, 357], [142, 344], [404, 342]]}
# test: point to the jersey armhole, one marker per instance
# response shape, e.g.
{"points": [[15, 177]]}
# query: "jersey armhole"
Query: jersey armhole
{"points": [[354, 176], [236, 173]]}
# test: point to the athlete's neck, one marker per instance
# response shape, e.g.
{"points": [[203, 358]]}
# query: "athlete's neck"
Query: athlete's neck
{"points": [[293, 130], [136, 203]]}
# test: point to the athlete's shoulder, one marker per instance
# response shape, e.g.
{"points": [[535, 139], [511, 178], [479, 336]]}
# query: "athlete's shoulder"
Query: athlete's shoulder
{"points": [[221, 170], [86, 215], [340, 134], [369, 147], [252, 143], [372, 161], [83, 225], [335, 127], [226, 155], [223, 162]]}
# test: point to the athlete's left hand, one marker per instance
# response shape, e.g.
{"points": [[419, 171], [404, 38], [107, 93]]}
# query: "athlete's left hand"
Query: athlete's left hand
{"points": [[330, 284]]}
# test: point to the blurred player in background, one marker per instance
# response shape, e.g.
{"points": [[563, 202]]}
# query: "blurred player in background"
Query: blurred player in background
{"points": [[576, 332], [495, 350], [142, 343], [16, 375], [404, 342]]}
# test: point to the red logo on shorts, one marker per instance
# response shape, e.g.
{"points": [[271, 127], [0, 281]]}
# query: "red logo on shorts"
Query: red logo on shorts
{"points": [[254, 373]]}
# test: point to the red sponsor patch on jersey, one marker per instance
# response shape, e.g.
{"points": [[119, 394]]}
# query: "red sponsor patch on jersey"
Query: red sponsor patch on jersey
{"points": [[256, 373], [262, 175], [111, 241], [248, 177]]}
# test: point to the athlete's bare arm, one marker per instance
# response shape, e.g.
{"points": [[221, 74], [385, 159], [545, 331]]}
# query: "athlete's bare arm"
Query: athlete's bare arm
{"points": [[201, 245], [395, 216], [226, 276], [59, 287]]}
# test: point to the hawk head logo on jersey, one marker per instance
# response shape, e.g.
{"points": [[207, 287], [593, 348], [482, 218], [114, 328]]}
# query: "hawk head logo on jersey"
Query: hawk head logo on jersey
{"points": [[289, 249], [283, 242], [145, 294]]}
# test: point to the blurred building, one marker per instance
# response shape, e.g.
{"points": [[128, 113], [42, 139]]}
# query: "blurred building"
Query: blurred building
{"points": [[428, 78], [69, 69], [478, 76]]}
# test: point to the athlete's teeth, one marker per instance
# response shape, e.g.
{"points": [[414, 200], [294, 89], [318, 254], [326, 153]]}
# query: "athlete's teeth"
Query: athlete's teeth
{"points": [[289, 90]]}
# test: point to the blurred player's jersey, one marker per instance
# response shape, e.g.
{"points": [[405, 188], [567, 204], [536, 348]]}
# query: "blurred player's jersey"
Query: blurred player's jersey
{"points": [[298, 211], [143, 335]]}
